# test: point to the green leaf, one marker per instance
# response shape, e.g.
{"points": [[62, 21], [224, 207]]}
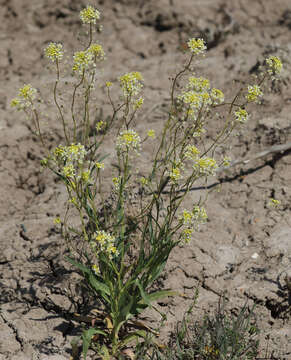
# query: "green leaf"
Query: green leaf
{"points": [[98, 285], [135, 335], [143, 294], [91, 278], [156, 296], [78, 265], [87, 337], [161, 294]]}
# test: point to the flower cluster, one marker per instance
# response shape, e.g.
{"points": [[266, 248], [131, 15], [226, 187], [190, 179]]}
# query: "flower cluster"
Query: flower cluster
{"points": [[254, 92], [89, 15], [241, 115], [100, 125], [54, 51], [191, 98], [105, 243], [97, 52], [198, 84], [274, 203], [71, 153], [205, 166], [217, 96], [138, 103], [128, 140], [131, 83], [25, 97], [198, 94], [96, 269], [99, 165], [191, 220], [84, 59], [143, 181], [116, 182], [196, 46], [175, 173], [191, 152], [274, 65], [151, 133], [70, 160]]}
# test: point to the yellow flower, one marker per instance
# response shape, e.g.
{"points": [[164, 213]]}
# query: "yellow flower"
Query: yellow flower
{"points": [[105, 242], [97, 51], [241, 115], [175, 174], [99, 165], [186, 217], [131, 83], [253, 93], [54, 51], [82, 60], [191, 152], [205, 166], [57, 221], [15, 103], [116, 182], [89, 15], [198, 84], [217, 96], [108, 84], [151, 134], [226, 161], [192, 98], [27, 92], [74, 201], [274, 203], [274, 64], [85, 176], [196, 46], [96, 269], [143, 181], [69, 171], [138, 103], [128, 140], [99, 125], [187, 234]]}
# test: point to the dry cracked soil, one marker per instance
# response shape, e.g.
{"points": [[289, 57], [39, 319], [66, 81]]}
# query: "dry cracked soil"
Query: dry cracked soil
{"points": [[245, 247]]}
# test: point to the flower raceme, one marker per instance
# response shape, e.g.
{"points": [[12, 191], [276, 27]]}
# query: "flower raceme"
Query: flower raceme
{"points": [[254, 92], [26, 96], [198, 94], [105, 243], [54, 51], [196, 46], [274, 65], [241, 115], [84, 59], [71, 153], [128, 140], [191, 221], [89, 15], [131, 83]]}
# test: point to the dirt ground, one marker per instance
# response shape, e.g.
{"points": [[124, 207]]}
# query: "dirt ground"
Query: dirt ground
{"points": [[39, 290]]}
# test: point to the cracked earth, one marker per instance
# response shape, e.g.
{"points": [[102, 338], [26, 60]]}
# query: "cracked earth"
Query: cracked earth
{"points": [[40, 292]]}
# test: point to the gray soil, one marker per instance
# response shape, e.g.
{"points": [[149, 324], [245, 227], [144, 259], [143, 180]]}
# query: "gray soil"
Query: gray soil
{"points": [[40, 292]]}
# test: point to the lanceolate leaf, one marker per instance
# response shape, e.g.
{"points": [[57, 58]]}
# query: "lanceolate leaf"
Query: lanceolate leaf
{"points": [[159, 295]]}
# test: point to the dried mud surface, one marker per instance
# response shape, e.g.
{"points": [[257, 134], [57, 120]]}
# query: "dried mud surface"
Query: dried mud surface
{"points": [[39, 290]]}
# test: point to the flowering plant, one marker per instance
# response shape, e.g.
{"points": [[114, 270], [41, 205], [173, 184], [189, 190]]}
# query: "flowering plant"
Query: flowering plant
{"points": [[126, 243]]}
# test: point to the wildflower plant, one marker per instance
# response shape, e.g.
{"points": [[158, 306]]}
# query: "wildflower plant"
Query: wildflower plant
{"points": [[121, 255]]}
